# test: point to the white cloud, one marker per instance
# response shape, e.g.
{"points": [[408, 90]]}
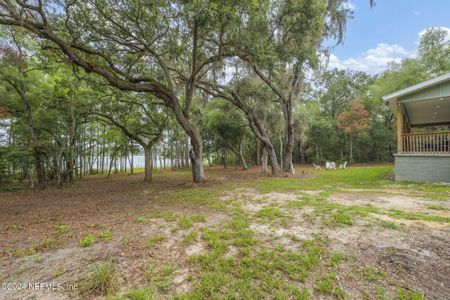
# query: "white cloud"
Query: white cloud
{"points": [[374, 60], [416, 13]]}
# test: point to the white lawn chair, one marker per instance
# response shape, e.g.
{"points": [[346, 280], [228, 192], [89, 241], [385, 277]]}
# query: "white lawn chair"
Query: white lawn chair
{"points": [[332, 165], [317, 167], [327, 165], [343, 166]]}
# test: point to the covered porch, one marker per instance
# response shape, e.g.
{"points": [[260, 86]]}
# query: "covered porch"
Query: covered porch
{"points": [[423, 130]]}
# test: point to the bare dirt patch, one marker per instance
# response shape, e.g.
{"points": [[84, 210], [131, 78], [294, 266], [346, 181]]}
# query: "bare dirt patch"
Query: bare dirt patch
{"points": [[386, 201]]}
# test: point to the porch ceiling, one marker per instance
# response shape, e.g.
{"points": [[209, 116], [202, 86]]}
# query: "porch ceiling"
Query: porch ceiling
{"points": [[426, 103], [428, 112]]}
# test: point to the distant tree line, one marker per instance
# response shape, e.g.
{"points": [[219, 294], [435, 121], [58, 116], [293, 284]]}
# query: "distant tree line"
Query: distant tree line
{"points": [[93, 83]]}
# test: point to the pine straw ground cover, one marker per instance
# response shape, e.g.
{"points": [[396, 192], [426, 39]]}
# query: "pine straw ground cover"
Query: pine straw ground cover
{"points": [[348, 234]]}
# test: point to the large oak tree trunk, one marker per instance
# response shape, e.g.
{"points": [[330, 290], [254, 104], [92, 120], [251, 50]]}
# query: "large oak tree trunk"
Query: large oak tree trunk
{"points": [[196, 156], [196, 151]]}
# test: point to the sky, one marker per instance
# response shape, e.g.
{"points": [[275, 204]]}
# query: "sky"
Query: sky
{"points": [[388, 32]]}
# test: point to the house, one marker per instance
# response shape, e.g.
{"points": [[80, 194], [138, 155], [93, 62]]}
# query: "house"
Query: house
{"points": [[422, 155]]}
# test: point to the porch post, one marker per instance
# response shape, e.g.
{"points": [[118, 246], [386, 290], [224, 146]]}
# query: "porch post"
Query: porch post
{"points": [[399, 128]]}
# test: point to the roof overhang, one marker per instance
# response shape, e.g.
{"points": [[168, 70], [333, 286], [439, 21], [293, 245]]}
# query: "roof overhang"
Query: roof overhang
{"points": [[426, 103]]}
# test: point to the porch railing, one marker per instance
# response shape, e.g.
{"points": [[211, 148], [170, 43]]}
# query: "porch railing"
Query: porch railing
{"points": [[426, 143]]}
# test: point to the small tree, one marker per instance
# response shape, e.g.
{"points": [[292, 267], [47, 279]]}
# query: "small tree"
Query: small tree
{"points": [[353, 122]]}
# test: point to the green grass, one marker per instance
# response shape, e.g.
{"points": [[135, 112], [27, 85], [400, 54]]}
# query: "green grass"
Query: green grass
{"points": [[354, 177], [388, 224], [410, 295], [141, 220], [48, 243], [24, 252], [197, 218], [155, 240], [328, 284], [400, 214], [340, 217], [189, 238], [105, 235], [372, 274], [166, 215], [437, 207], [256, 272], [185, 222], [101, 279], [260, 271], [61, 229], [208, 196], [160, 276], [87, 241], [335, 259], [270, 213], [370, 177]]}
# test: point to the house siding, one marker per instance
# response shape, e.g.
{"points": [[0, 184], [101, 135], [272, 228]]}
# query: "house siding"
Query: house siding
{"points": [[423, 168]]}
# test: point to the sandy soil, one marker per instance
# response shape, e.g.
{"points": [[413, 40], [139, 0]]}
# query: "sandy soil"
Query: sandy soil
{"points": [[416, 255]]}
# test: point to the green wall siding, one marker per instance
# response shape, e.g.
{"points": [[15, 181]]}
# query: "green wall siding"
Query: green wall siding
{"points": [[440, 90], [422, 168]]}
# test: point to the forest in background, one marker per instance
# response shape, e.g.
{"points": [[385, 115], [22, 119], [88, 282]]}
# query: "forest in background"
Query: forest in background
{"points": [[189, 84]]}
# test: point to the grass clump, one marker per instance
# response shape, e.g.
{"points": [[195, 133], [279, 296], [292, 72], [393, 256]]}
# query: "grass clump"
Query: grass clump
{"points": [[270, 213], [48, 243], [160, 276], [328, 284], [155, 240], [189, 238], [388, 224], [101, 279], [87, 241], [185, 222], [24, 252], [410, 295], [437, 207], [61, 229], [105, 235], [167, 215], [400, 214], [372, 274], [197, 218], [141, 220], [339, 218], [335, 259]]}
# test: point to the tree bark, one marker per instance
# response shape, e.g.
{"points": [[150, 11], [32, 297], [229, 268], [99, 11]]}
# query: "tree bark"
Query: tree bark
{"points": [[196, 156], [264, 168], [242, 158], [148, 164], [288, 166], [258, 152], [351, 151]]}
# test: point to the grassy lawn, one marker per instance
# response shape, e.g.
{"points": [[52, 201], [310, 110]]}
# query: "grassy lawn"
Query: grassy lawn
{"points": [[346, 234]]}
